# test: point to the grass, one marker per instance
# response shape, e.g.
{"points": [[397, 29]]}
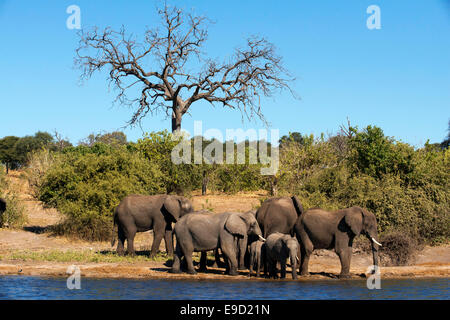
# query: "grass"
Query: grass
{"points": [[80, 256]]}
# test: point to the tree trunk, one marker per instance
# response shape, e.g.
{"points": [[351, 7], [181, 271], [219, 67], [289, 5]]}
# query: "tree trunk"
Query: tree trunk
{"points": [[273, 186], [204, 183], [176, 120]]}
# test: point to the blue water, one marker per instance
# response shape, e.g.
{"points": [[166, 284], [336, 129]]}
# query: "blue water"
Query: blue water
{"points": [[24, 287]]}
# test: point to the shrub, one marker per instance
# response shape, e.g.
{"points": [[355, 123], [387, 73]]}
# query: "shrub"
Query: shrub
{"points": [[14, 216], [232, 178], [180, 178], [40, 161], [398, 247], [406, 189], [86, 184]]}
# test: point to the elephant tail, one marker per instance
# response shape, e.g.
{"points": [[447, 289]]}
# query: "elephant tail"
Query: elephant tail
{"points": [[297, 205], [114, 231]]}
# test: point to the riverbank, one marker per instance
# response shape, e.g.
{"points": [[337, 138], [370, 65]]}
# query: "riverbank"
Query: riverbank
{"points": [[157, 270], [432, 262]]}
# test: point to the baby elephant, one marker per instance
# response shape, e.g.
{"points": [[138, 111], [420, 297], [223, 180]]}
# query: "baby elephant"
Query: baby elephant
{"points": [[279, 247], [257, 253]]}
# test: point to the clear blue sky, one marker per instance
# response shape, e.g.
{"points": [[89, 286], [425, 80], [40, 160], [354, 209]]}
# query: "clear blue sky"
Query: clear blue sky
{"points": [[397, 78]]}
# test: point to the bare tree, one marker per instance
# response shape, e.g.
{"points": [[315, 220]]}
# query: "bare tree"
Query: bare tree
{"points": [[155, 72]]}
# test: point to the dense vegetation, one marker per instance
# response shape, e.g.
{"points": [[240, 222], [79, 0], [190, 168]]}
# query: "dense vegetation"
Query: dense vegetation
{"points": [[14, 216], [406, 188]]}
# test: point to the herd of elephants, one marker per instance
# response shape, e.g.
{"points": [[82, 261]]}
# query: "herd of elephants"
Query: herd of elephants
{"points": [[259, 240], [279, 230]]}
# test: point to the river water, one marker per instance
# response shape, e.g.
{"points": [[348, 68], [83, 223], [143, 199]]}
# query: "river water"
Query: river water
{"points": [[27, 287]]}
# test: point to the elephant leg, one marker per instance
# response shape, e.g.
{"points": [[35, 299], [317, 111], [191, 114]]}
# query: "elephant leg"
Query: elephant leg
{"points": [[158, 234], [250, 267], [176, 265], [283, 268], [231, 257], [190, 264], [168, 239], [344, 257], [269, 268], [130, 234], [203, 261], [216, 258], [258, 265], [273, 269], [306, 250], [188, 249], [344, 252], [120, 241], [263, 263], [242, 250]]}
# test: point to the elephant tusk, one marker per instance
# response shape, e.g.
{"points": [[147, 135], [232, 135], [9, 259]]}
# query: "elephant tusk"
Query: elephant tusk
{"points": [[262, 239], [298, 260], [376, 242]]}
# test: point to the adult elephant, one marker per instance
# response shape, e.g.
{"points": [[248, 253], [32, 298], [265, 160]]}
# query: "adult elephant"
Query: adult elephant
{"points": [[320, 229], [139, 213], [204, 232], [241, 253], [279, 215]]}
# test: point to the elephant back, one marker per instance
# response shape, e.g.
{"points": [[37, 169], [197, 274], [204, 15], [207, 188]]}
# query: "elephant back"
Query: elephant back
{"points": [[279, 215]]}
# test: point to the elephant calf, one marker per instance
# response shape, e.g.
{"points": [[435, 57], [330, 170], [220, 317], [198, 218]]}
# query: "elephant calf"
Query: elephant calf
{"points": [[280, 247], [257, 253], [202, 232]]}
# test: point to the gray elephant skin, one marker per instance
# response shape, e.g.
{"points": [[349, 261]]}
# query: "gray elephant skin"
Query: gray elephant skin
{"points": [[279, 215], [203, 232], [279, 247], [320, 229], [139, 213], [257, 257]]}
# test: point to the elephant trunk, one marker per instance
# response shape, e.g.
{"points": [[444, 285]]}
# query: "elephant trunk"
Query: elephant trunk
{"points": [[375, 246], [375, 254], [293, 257]]}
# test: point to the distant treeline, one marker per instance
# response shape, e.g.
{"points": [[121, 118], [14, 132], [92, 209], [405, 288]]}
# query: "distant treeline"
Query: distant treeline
{"points": [[407, 188]]}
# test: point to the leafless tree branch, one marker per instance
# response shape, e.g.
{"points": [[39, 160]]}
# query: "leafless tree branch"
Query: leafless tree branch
{"points": [[154, 72]]}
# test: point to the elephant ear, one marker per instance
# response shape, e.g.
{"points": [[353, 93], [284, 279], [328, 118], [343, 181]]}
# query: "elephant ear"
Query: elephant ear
{"points": [[172, 206], [236, 225], [354, 219]]}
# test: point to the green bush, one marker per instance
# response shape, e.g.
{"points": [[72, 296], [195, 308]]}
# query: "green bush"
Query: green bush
{"points": [[86, 184], [179, 178], [406, 189], [186, 177], [14, 216]]}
